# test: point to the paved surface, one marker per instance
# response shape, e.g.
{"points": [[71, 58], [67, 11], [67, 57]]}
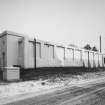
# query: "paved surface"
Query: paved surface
{"points": [[92, 94]]}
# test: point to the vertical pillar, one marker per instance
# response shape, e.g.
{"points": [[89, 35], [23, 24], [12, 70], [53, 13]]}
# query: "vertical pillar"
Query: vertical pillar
{"points": [[54, 52], [93, 60], [98, 60], [26, 46], [81, 55], [102, 61], [35, 53], [73, 54], [64, 53], [88, 59], [100, 43]]}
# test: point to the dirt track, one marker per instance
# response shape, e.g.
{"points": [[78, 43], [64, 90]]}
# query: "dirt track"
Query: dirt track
{"points": [[93, 94]]}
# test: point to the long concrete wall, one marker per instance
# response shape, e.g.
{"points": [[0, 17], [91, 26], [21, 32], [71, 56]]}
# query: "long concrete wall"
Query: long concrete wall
{"points": [[20, 50], [56, 55]]}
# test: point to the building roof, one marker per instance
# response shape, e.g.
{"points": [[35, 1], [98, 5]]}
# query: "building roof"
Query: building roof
{"points": [[6, 32]]}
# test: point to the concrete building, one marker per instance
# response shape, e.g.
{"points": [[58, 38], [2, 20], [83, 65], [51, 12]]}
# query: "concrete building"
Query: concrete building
{"points": [[20, 50], [9, 48], [17, 50]]}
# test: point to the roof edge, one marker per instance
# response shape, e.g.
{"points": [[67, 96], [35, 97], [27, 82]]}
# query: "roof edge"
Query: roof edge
{"points": [[13, 33]]}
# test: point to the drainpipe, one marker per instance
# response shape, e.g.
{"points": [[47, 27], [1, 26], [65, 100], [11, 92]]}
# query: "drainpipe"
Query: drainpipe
{"points": [[35, 53]]}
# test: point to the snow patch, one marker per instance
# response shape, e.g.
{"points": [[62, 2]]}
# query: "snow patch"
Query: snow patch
{"points": [[13, 89]]}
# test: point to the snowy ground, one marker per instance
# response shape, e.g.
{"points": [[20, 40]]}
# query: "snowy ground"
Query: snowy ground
{"points": [[12, 89]]}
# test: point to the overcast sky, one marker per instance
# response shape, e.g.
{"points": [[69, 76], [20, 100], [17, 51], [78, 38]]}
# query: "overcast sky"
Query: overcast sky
{"points": [[66, 21]]}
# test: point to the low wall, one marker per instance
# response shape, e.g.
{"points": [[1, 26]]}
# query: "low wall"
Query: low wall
{"points": [[11, 73]]}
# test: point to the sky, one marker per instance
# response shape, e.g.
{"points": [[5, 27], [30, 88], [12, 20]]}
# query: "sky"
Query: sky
{"points": [[61, 21]]}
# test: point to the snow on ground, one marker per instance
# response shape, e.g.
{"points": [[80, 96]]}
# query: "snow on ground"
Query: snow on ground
{"points": [[25, 87], [13, 89]]}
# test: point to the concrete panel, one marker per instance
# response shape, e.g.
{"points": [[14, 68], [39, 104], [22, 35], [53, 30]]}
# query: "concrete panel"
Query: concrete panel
{"points": [[69, 54], [85, 58], [100, 60], [41, 55], [91, 59], [60, 54], [96, 63], [12, 50], [51, 52], [31, 55], [77, 55], [51, 56], [21, 53], [38, 50], [69, 57], [44, 63], [48, 58], [46, 49], [71, 63]]}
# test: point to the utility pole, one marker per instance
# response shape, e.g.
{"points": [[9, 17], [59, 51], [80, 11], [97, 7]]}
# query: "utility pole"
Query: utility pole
{"points": [[100, 44], [35, 53]]}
